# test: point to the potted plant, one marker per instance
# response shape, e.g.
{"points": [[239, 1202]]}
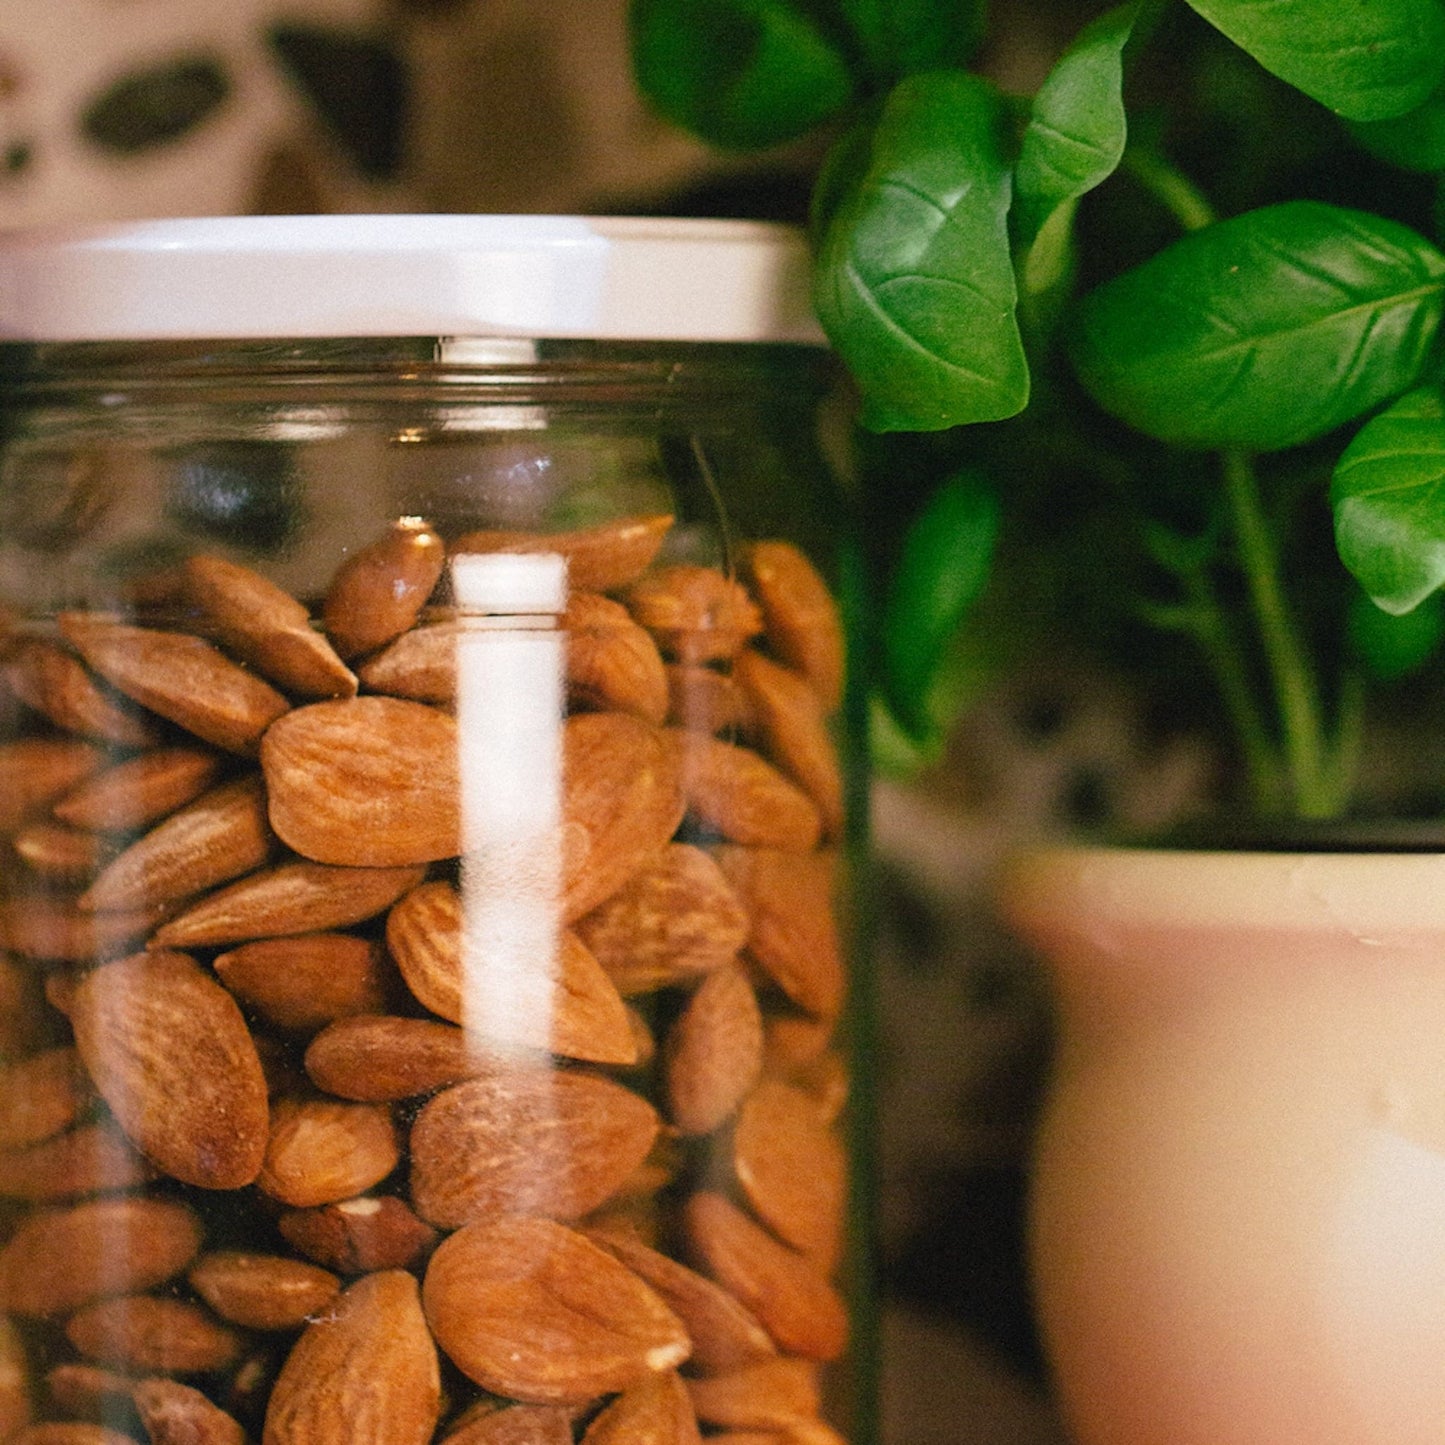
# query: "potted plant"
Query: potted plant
{"points": [[1150, 358]]}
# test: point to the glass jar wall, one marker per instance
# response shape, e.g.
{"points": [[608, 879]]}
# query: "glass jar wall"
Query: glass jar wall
{"points": [[424, 994]]}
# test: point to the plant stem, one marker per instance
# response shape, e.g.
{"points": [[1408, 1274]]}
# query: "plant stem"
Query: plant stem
{"points": [[1313, 791], [1172, 189]]}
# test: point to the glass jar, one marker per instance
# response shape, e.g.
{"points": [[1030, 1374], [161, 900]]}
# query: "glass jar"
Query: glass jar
{"points": [[426, 780]]}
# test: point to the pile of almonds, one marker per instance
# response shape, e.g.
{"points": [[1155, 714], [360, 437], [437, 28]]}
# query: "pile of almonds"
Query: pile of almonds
{"points": [[259, 1176]]}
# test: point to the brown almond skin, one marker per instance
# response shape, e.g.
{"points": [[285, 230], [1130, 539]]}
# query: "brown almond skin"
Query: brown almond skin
{"points": [[359, 1236], [714, 1052], [743, 797], [724, 1335], [177, 1414], [145, 1333], [61, 1259], [262, 1291], [16, 1406], [766, 1395], [612, 663], [512, 1425], [421, 664], [171, 1055], [69, 1432], [58, 686], [220, 836], [377, 592], [527, 1139], [695, 613], [580, 1014], [324, 1150], [366, 1372], [182, 678], [68, 855], [41, 1095], [379, 1058], [35, 771], [291, 898], [676, 920], [704, 699], [139, 791], [655, 1411], [602, 558], [89, 1391], [304, 982], [793, 1301], [368, 782], [621, 803], [90, 1159], [792, 1169], [530, 1309], [800, 616], [263, 625], [55, 930]]}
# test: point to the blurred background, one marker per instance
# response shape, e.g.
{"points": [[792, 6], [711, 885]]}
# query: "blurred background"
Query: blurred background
{"points": [[126, 108]]}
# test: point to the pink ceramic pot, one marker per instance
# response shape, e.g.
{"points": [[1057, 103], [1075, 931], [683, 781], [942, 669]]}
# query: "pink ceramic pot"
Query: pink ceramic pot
{"points": [[1238, 1217]]}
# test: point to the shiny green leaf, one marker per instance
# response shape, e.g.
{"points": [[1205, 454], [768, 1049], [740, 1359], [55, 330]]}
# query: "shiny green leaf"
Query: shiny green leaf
{"points": [[1388, 494], [1265, 330], [914, 282], [741, 74], [1365, 59], [1414, 141], [900, 37], [1390, 646]]}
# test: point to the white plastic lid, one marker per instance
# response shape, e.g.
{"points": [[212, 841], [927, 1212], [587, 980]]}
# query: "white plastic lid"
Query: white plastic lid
{"points": [[243, 277]]}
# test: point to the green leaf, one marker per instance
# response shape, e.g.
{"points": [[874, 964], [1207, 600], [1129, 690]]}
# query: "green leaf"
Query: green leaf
{"points": [[901, 37], [741, 74], [913, 281], [1388, 494], [1365, 59], [1074, 140], [942, 567], [1390, 646], [1265, 330], [1414, 141]]}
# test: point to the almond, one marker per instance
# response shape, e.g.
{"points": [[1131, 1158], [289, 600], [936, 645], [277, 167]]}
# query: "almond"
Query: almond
{"points": [[793, 1040], [724, 1335], [58, 1260], [376, 1058], [15, 1402], [366, 782], [705, 700], [90, 1391], [794, 935], [292, 898], [171, 1055], [601, 558], [566, 1005], [621, 804], [58, 687], [67, 855], [378, 591], [146, 1332], [823, 1078], [182, 678], [676, 920], [34, 771], [420, 664], [612, 663], [528, 1139], [262, 1291], [695, 613], [512, 1425], [359, 1236], [765, 1395], [741, 797], [655, 1411], [789, 717], [69, 1432], [91, 1159], [366, 1372], [139, 791], [41, 1095], [54, 929], [308, 980], [176, 1414], [714, 1052], [324, 1150], [220, 836], [799, 615], [263, 625], [792, 1169], [789, 1295], [533, 1310]]}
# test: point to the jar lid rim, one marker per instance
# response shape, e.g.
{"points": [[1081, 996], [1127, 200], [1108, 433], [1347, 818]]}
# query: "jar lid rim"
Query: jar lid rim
{"points": [[633, 278]]}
